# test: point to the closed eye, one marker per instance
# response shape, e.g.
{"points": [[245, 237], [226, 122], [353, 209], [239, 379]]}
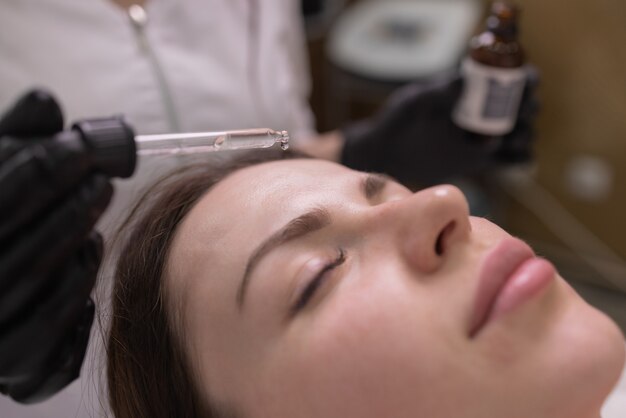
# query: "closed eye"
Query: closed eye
{"points": [[314, 284]]}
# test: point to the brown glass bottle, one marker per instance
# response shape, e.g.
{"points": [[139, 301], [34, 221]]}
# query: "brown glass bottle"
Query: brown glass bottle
{"points": [[494, 75]]}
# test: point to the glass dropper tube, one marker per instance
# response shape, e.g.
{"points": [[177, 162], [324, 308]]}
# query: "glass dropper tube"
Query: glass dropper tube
{"points": [[200, 142]]}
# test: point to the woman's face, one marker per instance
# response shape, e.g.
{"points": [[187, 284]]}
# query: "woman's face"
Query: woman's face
{"points": [[306, 289]]}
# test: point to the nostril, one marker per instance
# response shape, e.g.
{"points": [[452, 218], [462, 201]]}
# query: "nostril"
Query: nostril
{"points": [[439, 244], [443, 235]]}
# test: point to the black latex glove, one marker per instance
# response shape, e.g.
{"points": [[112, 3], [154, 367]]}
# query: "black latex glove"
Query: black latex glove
{"points": [[414, 139], [50, 198]]}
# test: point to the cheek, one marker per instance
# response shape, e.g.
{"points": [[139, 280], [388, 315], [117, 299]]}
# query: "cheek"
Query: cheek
{"points": [[379, 342]]}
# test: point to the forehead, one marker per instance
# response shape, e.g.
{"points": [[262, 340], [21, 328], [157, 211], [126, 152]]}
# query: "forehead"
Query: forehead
{"points": [[288, 184]]}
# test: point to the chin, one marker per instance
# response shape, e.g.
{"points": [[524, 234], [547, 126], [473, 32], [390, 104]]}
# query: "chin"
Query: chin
{"points": [[574, 353], [606, 341], [590, 359]]}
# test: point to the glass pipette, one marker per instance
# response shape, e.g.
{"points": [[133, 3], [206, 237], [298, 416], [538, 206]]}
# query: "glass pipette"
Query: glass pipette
{"points": [[191, 143]]}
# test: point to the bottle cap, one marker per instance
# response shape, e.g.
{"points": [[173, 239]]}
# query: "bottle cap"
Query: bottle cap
{"points": [[503, 19], [505, 9], [111, 143]]}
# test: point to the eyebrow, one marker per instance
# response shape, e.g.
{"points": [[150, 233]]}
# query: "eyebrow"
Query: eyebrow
{"points": [[299, 227], [311, 221], [374, 183]]}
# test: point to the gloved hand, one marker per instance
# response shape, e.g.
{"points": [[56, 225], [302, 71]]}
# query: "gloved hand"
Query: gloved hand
{"points": [[414, 139], [49, 256]]}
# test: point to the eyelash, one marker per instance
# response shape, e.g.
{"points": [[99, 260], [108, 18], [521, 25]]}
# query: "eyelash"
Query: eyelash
{"points": [[310, 289]]}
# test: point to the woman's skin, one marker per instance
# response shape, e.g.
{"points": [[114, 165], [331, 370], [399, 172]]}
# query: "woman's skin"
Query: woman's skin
{"points": [[388, 333]]}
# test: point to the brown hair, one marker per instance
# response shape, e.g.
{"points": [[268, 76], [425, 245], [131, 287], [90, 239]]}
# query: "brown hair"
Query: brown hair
{"points": [[148, 374]]}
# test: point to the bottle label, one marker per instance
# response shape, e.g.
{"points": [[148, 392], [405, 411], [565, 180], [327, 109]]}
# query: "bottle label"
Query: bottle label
{"points": [[490, 99]]}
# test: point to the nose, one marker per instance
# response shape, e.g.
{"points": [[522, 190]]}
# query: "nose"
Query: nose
{"points": [[427, 225]]}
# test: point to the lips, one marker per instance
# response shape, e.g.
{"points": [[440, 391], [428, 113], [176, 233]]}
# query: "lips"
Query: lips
{"points": [[510, 275]]}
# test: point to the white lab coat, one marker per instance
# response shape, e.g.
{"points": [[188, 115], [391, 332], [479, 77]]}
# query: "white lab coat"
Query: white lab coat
{"points": [[226, 64]]}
